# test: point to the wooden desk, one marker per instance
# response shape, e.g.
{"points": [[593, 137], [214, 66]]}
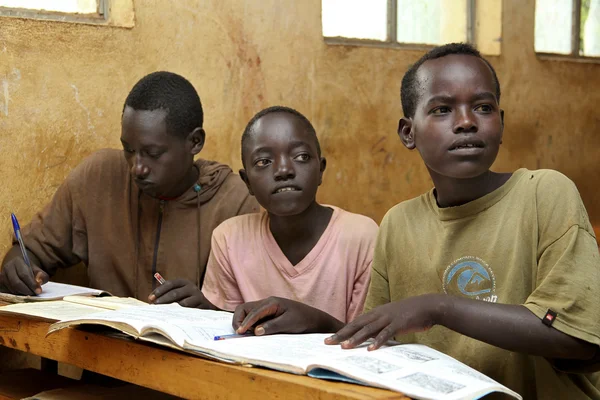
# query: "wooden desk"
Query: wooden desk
{"points": [[170, 371]]}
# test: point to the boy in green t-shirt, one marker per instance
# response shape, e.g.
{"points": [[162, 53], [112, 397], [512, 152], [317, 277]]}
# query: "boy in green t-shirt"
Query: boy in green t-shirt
{"points": [[498, 270]]}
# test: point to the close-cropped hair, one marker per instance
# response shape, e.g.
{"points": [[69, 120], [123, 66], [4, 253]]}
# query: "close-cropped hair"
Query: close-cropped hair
{"points": [[410, 89], [172, 93]]}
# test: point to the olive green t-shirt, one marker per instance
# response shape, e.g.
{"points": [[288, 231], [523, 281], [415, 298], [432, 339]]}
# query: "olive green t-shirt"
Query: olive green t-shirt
{"points": [[529, 242]]}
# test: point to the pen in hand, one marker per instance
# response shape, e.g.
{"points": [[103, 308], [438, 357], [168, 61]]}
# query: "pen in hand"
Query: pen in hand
{"points": [[17, 230], [159, 278]]}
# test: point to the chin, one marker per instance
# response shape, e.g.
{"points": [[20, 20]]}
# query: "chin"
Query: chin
{"points": [[464, 170], [286, 210]]}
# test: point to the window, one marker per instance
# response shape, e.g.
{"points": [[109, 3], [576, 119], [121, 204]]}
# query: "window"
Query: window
{"points": [[105, 12], [413, 23], [568, 28]]}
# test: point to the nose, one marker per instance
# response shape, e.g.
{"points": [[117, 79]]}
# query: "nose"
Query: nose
{"points": [[138, 169], [465, 121], [284, 169]]}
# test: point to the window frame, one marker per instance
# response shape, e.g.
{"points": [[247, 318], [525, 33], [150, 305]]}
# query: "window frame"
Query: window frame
{"points": [[392, 29], [100, 17], [575, 41]]}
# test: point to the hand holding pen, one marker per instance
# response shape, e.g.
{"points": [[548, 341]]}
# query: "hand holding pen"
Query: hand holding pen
{"points": [[21, 273]]}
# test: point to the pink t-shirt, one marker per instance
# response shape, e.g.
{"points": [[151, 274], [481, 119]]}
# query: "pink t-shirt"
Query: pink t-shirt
{"points": [[246, 264]]}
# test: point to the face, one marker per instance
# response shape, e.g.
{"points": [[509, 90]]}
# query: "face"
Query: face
{"points": [[457, 126], [283, 170], [160, 163]]}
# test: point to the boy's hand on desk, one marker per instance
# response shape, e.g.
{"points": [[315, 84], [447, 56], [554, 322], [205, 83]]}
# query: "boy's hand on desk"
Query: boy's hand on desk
{"points": [[415, 314], [279, 315], [179, 291], [18, 278]]}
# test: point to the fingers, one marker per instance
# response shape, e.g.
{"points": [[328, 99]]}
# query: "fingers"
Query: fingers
{"points": [[256, 312], [364, 334], [239, 315], [194, 301], [384, 335], [172, 292], [20, 278], [350, 329]]}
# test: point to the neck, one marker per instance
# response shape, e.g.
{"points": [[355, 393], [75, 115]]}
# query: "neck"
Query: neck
{"points": [[452, 192], [190, 179], [300, 226]]}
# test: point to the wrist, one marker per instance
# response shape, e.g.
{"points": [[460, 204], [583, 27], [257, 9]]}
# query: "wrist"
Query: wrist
{"points": [[441, 308]]}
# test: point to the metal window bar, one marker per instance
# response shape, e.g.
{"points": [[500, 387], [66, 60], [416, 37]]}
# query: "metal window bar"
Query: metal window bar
{"points": [[576, 29]]}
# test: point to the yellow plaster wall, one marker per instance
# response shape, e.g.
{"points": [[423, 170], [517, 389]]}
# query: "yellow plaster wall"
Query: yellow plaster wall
{"points": [[62, 86]]}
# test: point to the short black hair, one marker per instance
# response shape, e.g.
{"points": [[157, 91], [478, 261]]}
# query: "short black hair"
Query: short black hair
{"points": [[409, 91], [172, 93], [274, 109]]}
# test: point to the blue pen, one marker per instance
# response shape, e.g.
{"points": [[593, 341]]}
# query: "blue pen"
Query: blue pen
{"points": [[233, 336], [17, 229]]}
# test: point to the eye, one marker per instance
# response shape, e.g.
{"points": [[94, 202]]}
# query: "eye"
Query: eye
{"points": [[441, 110], [302, 157], [486, 108], [155, 155], [128, 150], [263, 162]]}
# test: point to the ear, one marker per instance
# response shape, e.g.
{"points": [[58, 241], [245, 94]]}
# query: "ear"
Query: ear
{"points": [[197, 137], [244, 177], [405, 132], [502, 120], [323, 165]]}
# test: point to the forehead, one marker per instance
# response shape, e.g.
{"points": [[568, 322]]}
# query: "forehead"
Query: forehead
{"points": [[145, 125], [455, 75], [279, 129]]}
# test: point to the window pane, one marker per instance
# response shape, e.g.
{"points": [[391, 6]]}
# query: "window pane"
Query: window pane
{"points": [[359, 19], [553, 22], [69, 6], [432, 21], [590, 28]]}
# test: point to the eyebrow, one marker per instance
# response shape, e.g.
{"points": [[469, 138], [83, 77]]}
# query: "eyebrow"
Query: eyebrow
{"points": [[292, 145], [444, 98], [146, 147]]}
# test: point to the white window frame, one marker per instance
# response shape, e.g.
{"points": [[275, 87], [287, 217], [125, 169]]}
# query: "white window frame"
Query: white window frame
{"points": [[575, 41], [391, 41], [109, 12]]}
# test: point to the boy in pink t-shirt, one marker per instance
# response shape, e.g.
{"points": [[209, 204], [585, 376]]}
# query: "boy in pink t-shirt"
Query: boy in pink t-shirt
{"points": [[298, 255]]}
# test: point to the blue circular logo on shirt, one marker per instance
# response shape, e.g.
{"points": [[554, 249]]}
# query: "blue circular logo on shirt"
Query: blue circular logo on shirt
{"points": [[470, 277]]}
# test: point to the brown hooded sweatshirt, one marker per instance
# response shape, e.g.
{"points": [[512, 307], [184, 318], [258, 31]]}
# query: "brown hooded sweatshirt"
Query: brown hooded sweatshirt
{"points": [[98, 216]]}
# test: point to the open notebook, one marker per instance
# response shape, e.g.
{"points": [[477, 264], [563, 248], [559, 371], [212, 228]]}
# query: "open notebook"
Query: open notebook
{"points": [[53, 291], [415, 370]]}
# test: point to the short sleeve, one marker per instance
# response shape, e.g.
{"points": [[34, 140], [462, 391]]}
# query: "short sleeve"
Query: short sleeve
{"points": [[220, 286], [359, 292], [568, 267], [379, 288]]}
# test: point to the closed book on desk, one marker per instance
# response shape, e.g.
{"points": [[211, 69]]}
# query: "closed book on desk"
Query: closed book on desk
{"points": [[53, 291], [415, 370]]}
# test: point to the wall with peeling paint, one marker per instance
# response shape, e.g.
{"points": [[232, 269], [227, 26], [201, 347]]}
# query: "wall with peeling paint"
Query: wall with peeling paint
{"points": [[62, 86]]}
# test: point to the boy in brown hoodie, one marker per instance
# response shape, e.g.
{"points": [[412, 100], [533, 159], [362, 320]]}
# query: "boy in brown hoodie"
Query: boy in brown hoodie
{"points": [[148, 208]]}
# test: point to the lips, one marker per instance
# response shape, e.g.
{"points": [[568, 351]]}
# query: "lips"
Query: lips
{"points": [[286, 189], [467, 144], [143, 184]]}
